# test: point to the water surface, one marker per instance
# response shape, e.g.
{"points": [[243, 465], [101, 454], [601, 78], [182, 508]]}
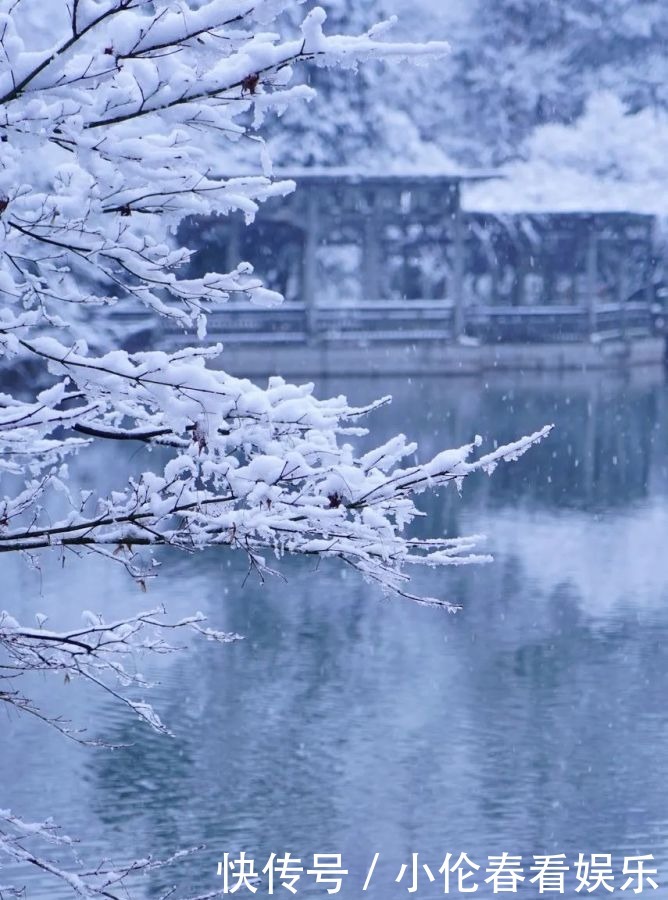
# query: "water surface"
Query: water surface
{"points": [[533, 721]]}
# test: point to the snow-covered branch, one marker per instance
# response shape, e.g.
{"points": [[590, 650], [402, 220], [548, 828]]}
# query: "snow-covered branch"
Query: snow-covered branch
{"points": [[95, 652], [252, 469], [110, 135], [40, 845], [114, 119], [109, 126]]}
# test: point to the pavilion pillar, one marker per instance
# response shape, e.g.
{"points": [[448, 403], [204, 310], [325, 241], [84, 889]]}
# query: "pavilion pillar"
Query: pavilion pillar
{"points": [[623, 289], [592, 275], [233, 249], [650, 243], [310, 262], [494, 273], [519, 282], [548, 276], [459, 318], [589, 454], [371, 250]]}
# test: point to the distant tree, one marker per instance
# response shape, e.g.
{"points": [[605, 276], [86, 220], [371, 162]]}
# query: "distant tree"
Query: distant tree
{"points": [[518, 64], [515, 65], [113, 114], [621, 46]]}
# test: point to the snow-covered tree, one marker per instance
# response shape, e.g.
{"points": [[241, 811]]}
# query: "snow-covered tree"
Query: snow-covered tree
{"points": [[508, 64], [620, 46], [519, 64], [515, 65], [113, 116], [602, 161]]}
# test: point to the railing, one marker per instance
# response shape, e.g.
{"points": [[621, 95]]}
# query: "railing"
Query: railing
{"points": [[541, 324], [245, 323], [385, 320], [419, 320]]}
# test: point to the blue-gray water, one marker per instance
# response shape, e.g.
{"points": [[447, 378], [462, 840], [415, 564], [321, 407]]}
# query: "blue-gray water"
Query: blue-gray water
{"points": [[534, 721]]}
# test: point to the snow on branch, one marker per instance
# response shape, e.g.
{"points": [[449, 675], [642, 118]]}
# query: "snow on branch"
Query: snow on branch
{"points": [[95, 652], [109, 123], [110, 135], [256, 470], [114, 119], [40, 846]]}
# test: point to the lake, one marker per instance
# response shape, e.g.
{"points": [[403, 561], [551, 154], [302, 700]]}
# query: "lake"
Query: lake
{"points": [[534, 721]]}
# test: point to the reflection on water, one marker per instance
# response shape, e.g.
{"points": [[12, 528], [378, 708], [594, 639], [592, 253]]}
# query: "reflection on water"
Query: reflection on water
{"points": [[533, 721]]}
